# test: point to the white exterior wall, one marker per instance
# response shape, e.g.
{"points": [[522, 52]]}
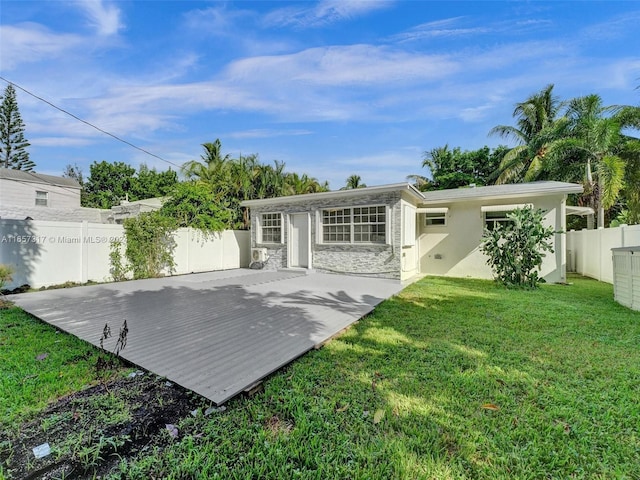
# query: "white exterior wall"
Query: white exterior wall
{"points": [[589, 251], [19, 193], [45, 253], [454, 249], [383, 260]]}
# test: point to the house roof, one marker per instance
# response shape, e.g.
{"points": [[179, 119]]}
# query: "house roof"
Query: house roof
{"points": [[495, 192], [491, 192], [32, 177], [337, 194], [154, 202]]}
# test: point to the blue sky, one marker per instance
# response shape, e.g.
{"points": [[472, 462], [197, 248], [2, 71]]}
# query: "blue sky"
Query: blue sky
{"points": [[331, 88]]}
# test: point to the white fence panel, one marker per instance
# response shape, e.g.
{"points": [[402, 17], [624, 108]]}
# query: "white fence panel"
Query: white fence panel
{"points": [[589, 251], [96, 251], [45, 253]]}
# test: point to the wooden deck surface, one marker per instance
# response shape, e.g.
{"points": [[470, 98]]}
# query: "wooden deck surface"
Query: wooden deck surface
{"points": [[214, 333]]}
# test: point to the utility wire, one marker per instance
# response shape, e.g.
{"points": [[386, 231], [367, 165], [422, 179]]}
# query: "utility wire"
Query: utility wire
{"points": [[90, 124]]}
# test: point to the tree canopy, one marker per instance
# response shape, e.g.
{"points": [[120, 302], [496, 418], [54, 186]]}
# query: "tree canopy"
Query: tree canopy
{"points": [[110, 183], [454, 168], [232, 180], [578, 140]]}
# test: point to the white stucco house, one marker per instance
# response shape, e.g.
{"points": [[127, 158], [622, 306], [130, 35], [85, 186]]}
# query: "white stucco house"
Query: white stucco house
{"points": [[396, 231]]}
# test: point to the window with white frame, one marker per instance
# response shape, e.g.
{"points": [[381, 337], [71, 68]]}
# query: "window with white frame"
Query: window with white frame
{"points": [[271, 228], [42, 198], [493, 219], [354, 225], [497, 214], [436, 219]]}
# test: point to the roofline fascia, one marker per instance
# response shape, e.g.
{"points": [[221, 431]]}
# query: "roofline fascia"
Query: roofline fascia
{"points": [[355, 192], [491, 197], [36, 178]]}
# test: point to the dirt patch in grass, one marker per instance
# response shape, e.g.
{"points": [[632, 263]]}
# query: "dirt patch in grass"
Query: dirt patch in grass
{"points": [[90, 432]]}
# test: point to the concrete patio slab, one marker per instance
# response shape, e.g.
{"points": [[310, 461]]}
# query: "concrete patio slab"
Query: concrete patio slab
{"points": [[214, 333]]}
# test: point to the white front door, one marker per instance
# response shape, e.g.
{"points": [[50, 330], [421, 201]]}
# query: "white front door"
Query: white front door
{"points": [[299, 240]]}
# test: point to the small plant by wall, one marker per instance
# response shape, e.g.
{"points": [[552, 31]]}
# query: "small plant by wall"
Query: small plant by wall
{"points": [[118, 269], [150, 244], [516, 248], [6, 271], [149, 248]]}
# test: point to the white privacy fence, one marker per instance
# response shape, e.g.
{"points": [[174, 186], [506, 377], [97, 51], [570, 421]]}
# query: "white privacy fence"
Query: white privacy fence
{"points": [[589, 251], [45, 253]]}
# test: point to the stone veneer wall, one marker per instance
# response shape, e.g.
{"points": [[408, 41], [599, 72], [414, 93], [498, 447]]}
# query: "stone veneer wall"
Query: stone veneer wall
{"points": [[358, 259]]}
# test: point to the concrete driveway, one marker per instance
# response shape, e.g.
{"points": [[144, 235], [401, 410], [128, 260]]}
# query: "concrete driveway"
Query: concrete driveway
{"points": [[215, 333]]}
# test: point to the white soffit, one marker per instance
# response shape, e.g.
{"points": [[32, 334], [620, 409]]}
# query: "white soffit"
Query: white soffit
{"points": [[504, 208]]}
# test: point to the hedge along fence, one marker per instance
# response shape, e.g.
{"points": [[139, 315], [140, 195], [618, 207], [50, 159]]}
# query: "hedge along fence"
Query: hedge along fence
{"points": [[44, 253], [589, 251]]}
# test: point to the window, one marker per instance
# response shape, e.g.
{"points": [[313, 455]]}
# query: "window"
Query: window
{"points": [[354, 225], [41, 198], [434, 216], [497, 214], [492, 219], [271, 227], [439, 219]]}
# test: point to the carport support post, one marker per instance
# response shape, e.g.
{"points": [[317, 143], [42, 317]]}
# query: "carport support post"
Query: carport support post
{"points": [[84, 242]]}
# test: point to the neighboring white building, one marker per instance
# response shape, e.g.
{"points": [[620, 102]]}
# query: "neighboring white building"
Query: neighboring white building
{"points": [[126, 209], [42, 197], [399, 232]]}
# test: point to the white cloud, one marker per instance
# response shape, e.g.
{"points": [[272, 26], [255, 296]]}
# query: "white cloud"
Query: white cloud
{"points": [[322, 13], [352, 65], [473, 114], [218, 21], [105, 18], [30, 43], [267, 133], [60, 142], [439, 29], [612, 28]]}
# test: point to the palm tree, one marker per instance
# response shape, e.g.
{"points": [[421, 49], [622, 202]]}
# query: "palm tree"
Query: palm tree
{"points": [[629, 118], [213, 165], [300, 184], [421, 182], [536, 127], [353, 181], [589, 152]]}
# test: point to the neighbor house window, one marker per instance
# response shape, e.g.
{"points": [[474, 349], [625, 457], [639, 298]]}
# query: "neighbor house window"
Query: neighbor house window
{"points": [[354, 225], [41, 198], [271, 227]]}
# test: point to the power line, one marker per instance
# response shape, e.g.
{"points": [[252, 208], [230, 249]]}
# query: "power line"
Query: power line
{"points": [[90, 124]]}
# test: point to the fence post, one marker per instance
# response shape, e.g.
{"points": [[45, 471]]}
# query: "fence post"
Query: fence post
{"points": [[583, 250], [84, 245]]}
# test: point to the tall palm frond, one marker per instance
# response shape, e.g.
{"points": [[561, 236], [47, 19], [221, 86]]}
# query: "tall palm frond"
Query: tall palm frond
{"points": [[536, 127], [611, 176]]}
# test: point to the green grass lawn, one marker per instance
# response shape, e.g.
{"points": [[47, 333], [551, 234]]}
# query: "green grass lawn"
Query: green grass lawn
{"points": [[39, 364], [450, 379]]}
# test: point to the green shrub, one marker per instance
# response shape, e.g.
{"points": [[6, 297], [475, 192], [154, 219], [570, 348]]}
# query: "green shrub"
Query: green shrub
{"points": [[516, 248], [150, 244], [118, 268], [6, 271]]}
